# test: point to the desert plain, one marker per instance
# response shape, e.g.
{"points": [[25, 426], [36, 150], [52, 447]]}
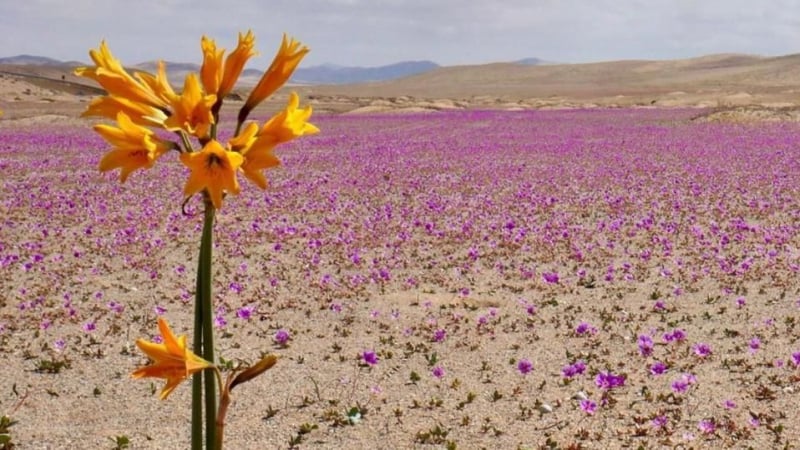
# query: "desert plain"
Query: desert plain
{"points": [[501, 256]]}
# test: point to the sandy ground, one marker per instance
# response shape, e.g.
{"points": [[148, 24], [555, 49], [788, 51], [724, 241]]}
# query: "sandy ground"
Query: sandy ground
{"points": [[70, 388]]}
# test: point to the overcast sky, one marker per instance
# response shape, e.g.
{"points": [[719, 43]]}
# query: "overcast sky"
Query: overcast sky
{"points": [[377, 32]]}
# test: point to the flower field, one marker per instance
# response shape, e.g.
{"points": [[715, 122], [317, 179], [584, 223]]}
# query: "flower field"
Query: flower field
{"points": [[473, 279]]}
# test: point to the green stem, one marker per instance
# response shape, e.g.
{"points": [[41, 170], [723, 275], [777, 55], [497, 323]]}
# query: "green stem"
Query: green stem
{"points": [[197, 380], [204, 302]]}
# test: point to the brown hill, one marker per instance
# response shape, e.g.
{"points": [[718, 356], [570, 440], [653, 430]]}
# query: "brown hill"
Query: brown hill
{"points": [[727, 80]]}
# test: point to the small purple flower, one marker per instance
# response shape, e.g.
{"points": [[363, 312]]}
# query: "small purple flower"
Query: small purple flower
{"points": [[754, 344], [729, 404], [584, 328], [573, 370], [530, 309], [438, 372], [588, 406], [219, 321], [88, 327], [659, 422], [116, 307], [159, 310], [235, 287], [369, 357], [550, 277], [336, 307], [659, 305], [607, 380], [59, 345], [796, 359], [702, 350], [740, 302], [658, 368], [524, 366], [707, 426], [682, 384], [282, 337], [645, 345], [676, 335], [245, 312], [439, 335]]}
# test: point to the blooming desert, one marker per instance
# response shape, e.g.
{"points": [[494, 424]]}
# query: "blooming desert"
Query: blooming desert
{"points": [[472, 279]]}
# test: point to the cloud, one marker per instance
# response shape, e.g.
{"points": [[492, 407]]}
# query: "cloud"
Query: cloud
{"points": [[372, 32]]}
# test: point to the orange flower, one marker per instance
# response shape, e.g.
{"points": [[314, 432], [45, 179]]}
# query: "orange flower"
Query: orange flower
{"points": [[172, 360], [286, 60], [109, 106], [214, 169], [191, 111], [211, 70], [112, 76], [135, 147], [234, 64], [282, 127]]}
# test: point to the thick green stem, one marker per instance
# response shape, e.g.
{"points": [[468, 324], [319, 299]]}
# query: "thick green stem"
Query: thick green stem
{"points": [[204, 282], [204, 340]]}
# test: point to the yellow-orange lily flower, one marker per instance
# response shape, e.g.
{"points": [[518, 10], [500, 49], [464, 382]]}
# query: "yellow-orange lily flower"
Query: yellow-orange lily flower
{"points": [[191, 111], [290, 123], [283, 65], [234, 63], [211, 70], [218, 77], [159, 83], [108, 106], [112, 76], [172, 360], [214, 169], [135, 147]]}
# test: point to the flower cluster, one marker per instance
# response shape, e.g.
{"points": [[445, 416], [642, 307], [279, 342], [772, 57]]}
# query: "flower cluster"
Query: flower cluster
{"points": [[142, 103]]}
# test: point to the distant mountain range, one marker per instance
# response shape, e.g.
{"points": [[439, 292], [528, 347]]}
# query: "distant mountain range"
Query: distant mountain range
{"points": [[32, 60], [321, 74]]}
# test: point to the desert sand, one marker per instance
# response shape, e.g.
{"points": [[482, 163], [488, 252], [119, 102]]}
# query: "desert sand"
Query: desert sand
{"points": [[69, 386]]}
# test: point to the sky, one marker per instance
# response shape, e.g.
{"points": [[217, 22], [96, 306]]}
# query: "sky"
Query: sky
{"points": [[379, 32]]}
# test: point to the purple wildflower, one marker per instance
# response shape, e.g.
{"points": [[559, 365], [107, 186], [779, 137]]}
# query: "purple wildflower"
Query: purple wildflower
{"points": [[281, 337], [369, 357], [676, 335], [729, 404], [645, 345], [573, 370], [437, 372], [754, 344], [245, 312], [659, 422], [707, 426], [607, 380], [524, 366], [550, 277], [584, 328], [658, 368], [59, 345], [219, 321], [588, 406], [702, 350], [439, 335]]}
